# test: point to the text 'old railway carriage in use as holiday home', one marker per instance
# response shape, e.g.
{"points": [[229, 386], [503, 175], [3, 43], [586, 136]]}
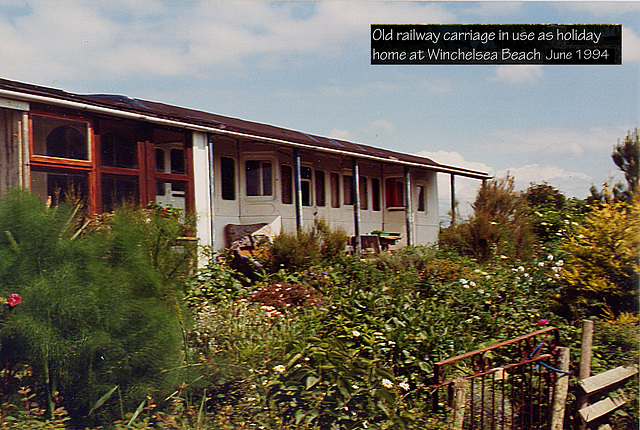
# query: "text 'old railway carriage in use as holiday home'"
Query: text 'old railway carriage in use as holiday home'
{"points": [[229, 172]]}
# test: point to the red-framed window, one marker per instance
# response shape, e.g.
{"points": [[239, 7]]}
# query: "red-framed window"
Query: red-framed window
{"points": [[106, 162]]}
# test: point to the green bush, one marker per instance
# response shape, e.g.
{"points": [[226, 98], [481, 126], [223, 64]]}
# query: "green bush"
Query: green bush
{"points": [[306, 248], [99, 304], [499, 225]]}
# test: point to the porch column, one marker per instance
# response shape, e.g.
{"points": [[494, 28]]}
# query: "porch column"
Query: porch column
{"points": [[356, 205], [212, 195], [453, 198], [297, 188], [408, 205]]}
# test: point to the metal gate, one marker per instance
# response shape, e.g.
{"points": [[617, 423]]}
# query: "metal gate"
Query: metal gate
{"points": [[505, 386]]}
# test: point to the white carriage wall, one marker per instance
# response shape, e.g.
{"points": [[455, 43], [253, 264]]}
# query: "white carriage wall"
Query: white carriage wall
{"points": [[325, 180]]}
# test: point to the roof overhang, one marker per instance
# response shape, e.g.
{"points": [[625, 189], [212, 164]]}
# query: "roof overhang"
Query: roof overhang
{"points": [[173, 116]]}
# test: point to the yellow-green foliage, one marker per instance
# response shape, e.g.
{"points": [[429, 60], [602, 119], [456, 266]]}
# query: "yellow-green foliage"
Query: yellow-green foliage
{"points": [[602, 255]]}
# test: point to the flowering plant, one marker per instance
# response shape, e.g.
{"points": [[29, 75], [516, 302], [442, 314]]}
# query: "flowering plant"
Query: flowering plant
{"points": [[12, 301]]}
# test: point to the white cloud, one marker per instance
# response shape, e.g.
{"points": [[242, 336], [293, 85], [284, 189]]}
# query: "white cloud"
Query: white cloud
{"points": [[337, 133], [630, 46], [570, 183], [78, 39], [381, 126], [554, 141], [465, 188], [456, 159], [602, 9], [518, 74]]}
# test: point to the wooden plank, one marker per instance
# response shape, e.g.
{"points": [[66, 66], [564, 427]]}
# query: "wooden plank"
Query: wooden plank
{"points": [[603, 380], [601, 408]]}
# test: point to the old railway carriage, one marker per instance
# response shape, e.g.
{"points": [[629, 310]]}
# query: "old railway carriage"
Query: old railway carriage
{"points": [[230, 172]]}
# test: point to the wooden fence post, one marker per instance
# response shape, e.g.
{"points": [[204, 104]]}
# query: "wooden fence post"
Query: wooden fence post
{"points": [[460, 388], [560, 390], [585, 363]]}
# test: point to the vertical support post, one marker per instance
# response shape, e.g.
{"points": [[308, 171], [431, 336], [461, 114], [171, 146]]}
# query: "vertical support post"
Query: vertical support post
{"points": [[560, 390], [356, 206], [585, 360], [26, 175], [408, 205], [297, 188], [453, 199], [212, 195], [460, 388]]}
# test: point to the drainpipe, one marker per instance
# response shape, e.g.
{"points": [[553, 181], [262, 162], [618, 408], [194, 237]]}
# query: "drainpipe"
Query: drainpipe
{"points": [[356, 206], [408, 205], [297, 188], [212, 194], [453, 199]]}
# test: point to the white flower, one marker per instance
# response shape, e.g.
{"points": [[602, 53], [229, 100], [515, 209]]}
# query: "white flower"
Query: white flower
{"points": [[280, 368], [355, 333], [473, 284], [520, 269], [560, 263], [355, 387], [550, 257], [541, 264], [463, 281], [526, 275], [405, 386], [387, 384]]}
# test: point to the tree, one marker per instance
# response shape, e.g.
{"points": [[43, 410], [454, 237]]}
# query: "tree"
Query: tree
{"points": [[625, 156], [602, 258], [499, 224]]}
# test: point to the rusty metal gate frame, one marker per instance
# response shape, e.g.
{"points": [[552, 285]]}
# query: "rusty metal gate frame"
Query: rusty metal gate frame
{"points": [[524, 360]]}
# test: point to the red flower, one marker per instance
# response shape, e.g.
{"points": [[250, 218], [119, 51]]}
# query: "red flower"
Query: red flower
{"points": [[542, 322], [14, 299]]}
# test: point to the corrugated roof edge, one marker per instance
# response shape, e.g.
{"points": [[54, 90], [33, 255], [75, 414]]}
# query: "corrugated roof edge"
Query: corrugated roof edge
{"points": [[227, 125]]}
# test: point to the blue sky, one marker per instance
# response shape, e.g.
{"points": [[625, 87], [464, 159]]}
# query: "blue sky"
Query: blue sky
{"points": [[306, 66]]}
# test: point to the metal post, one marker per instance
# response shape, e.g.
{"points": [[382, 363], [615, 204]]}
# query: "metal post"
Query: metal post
{"points": [[297, 188], [453, 198], [408, 205], [356, 206], [212, 195]]}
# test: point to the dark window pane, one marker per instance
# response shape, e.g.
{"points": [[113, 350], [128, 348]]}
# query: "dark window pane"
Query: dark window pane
{"points": [[420, 198], [266, 179], [60, 186], [320, 188], [286, 184], [117, 190], [375, 194], [160, 166], [118, 151], [60, 137], [177, 161], [228, 178], [335, 190], [348, 190], [252, 175], [364, 194], [67, 142], [305, 190]]}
